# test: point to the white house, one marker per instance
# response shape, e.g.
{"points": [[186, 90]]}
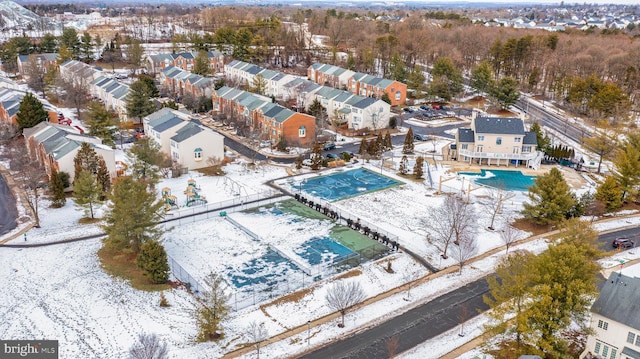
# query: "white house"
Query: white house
{"points": [[615, 320], [163, 124]]}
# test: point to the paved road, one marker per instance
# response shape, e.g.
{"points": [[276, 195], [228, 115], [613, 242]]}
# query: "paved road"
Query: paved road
{"points": [[8, 211], [412, 327], [428, 320], [545, 117]]}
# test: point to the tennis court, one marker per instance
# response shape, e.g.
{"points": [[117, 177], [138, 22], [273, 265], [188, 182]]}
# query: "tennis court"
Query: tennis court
{"points": [[341, 185]]}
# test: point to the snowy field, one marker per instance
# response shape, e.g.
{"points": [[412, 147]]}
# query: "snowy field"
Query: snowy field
{"points": [[60, 292]]}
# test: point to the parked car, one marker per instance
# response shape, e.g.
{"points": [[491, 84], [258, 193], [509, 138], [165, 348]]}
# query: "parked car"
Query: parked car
{"points": [[420, 137], [332, 156], [424, 107], [329, 146], [622, 243]]}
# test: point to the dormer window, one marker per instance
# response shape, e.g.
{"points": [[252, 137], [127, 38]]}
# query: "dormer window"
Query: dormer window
{"points": [[197, 154]]}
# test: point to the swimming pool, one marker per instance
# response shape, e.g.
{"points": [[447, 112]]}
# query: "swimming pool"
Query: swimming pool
{"points": [[341, 185], [502, 179]]}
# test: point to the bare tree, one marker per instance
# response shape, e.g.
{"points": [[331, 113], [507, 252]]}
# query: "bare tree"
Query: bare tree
{"points": [[466, 249], [257, 334], [392, 345], [494, 204], [149, 346], [30, 174], [509, 235], [75, 93], [344, 295], [463, 316], [409, 277], [8, 132], [450, 221]]}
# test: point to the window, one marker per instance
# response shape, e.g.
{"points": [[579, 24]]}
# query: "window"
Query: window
{"points": [[480, 138], [603, 325], [605, 351], [479, 148], [464, 146], [197, 154], [499, 141], [638, 340], [302, 131], [631, 337], [597, 348], [398, 95], [613, 353], [517, 139], [516, 149]]}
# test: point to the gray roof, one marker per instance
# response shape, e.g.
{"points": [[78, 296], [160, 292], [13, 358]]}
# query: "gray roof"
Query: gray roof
{"points": [[187, 131], [165, 125], [499, 125], [530, 138], [466, 135], [619, 300]]}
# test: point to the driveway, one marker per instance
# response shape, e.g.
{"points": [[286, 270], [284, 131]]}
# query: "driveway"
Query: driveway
{"points": [[8, 211]]}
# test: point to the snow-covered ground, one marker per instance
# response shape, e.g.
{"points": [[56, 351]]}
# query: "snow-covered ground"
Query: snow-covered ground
{"points": [[60, 292]]}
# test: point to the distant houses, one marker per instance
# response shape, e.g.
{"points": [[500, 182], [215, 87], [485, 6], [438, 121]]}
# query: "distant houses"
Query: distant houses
{"points": [[240, 72], [43, 61], [266, 119], [177, 82], [496, 141], [10, 97], [189, 143]]}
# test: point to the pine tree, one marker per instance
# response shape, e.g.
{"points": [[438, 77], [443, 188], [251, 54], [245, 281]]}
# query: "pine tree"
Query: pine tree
{"points": [[388, 145], [139, 103], [550, 199], [408, 142], [542, 141], [101, 122], [86, 159], [58, 198], [316, 157], [145, 157], [380, 144], [212, 310], [417, 168], [610, 193], [627, 162], [87, 192], [201, 64], [362, 149], [152, 259], [372, 148], [124, 230], [104, 178], [31, 112], [404, 165]]}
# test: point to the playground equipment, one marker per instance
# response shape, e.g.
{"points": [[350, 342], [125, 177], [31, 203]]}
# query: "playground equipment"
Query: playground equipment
{"points": [[193, 196], [169, 200]]}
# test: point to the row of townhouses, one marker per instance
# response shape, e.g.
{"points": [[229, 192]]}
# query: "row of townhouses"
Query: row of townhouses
{"points": [[189, 142], [343, 107], [177, 82], [272, 121], [358, 83], [154, 64]]}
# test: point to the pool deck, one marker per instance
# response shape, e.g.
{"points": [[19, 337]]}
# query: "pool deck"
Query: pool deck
{"points": [[573, 177]]}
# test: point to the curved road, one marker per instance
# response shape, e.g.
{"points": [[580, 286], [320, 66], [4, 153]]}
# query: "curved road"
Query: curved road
{"points": [[8, 210], [430, 319]]}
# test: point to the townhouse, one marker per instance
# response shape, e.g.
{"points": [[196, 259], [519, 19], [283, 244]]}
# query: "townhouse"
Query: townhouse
{"points": [[189, 143], [240, 72], [56, 146], [259, 114], [10, 99], [615, 322], [178, 82], [358, 83], [496, 141], [154, 64], [43, 61]]}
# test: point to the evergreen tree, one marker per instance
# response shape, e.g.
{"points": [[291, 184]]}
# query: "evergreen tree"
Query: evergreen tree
{"points": [[86, 159], [212, 310], [58, 198], [362, 149], [48, 44], [447, 79], [416, 79], [87, 192], [31, 112], [127, 232], [151, 85], [505, 92], [104, 178], [69, 39], [372, 148], [397, 69], [316, 157], [408, 142], [550, 199], [388, 145], [542, 141], [152, 260], [610, 193], [101, 122], [627, 163], [385, 97], [201, 64], [482, 77], [380, 144], [259, 85], [146, 158], [404, 165], [418, 172], [86, 48], [139, 103]]}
